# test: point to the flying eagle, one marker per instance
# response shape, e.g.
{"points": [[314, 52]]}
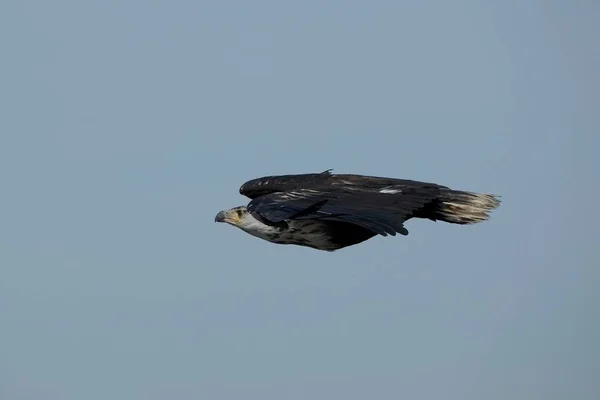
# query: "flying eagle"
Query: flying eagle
{"points": [[328, 211]]}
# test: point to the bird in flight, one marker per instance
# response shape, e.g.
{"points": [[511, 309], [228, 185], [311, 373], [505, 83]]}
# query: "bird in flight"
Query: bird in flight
{"points": [[328, 211]]}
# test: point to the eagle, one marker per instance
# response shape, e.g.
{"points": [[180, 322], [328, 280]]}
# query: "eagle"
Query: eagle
{"points": [[328, 212]]}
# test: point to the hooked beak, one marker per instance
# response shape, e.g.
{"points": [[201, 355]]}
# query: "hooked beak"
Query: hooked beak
{"points": [[221, 216]]}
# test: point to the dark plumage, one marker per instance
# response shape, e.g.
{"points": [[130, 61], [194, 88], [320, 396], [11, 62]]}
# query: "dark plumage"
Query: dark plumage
{"points": [[330, 211]]}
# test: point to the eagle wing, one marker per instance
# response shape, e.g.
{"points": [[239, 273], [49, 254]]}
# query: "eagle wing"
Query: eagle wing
{"points": [[383, 212], [280, 183]]}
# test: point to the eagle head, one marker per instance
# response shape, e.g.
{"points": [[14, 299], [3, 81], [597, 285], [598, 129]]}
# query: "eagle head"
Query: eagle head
{"points": [[237, 216]]}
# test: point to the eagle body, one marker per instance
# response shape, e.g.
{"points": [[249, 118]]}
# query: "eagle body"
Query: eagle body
{"points": [[328, 211], [317, 234]]}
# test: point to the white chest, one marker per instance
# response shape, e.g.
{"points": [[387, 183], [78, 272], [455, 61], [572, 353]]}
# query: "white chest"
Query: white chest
{"points": [[303, 233]]}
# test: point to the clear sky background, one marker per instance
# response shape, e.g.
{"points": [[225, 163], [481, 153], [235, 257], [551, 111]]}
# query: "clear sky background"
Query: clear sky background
{"points": [[127, 125]]}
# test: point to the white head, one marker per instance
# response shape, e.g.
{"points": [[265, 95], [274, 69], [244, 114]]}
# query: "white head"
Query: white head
{"points": [[237, 216], [241, 218]]}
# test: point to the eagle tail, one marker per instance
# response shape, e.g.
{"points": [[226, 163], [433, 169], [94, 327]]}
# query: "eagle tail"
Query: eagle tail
{"points": [[459, 207]]}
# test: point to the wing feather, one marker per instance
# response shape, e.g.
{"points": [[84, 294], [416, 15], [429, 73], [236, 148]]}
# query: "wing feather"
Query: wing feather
{"points": [[382, 213], [280, 183]]}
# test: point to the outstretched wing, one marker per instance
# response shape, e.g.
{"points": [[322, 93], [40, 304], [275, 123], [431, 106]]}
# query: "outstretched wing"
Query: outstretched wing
{"points": [[382, 212], [280, 183]]}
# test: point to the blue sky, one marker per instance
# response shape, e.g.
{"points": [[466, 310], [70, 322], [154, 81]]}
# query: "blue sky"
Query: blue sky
{"points": [[127, 125]]}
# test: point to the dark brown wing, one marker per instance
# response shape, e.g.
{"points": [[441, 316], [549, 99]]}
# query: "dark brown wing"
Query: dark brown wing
{"points": [[382, 213], [280, 183]]}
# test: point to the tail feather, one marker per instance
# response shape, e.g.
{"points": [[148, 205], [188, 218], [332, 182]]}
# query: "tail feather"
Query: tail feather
{"points": [[459, 207]]}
